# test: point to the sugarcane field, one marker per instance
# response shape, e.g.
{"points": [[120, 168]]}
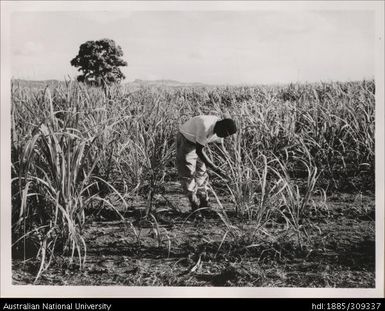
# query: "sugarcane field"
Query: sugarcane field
{"points": [[97, 201]]}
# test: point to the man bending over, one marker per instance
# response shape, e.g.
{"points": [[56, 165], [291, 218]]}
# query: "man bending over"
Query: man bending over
{"points": [[191, 159]]}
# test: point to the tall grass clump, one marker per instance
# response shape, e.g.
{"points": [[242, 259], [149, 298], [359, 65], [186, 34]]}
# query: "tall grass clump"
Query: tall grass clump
{"points": [[250, 180], [151, 147], [53, 177]]}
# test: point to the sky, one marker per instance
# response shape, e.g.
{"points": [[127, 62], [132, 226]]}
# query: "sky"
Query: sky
{"points": [[216, 47]]}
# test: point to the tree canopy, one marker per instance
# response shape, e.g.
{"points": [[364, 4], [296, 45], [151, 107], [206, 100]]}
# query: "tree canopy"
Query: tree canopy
{"points": [[99, 62]]}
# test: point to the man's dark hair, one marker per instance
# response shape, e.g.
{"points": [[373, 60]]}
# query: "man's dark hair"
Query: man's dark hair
{"points": [[225, 127]]}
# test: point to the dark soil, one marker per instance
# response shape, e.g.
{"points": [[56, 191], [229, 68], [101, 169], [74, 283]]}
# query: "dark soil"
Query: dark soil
{"points": [[335, 248]]}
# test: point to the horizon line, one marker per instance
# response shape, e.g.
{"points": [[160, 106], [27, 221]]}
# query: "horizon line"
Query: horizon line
{"points": [[197, 83]]}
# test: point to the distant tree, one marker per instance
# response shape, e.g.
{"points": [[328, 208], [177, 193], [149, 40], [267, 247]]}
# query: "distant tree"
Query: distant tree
{"points": [[99, 61]]}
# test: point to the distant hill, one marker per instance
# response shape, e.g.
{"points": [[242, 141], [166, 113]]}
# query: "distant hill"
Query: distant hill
{"points": [[171, 83], [166, 83], [36, 83], [136, 83]]}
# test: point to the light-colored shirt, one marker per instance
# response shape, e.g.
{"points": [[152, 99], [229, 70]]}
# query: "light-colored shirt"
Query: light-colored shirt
{"points": [[200, 129]]}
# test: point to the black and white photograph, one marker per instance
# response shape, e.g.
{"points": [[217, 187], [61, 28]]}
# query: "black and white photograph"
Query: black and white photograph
{"points": [[192, 148]]}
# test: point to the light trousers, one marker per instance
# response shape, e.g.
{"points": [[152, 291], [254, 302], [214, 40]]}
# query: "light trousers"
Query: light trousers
{"points": [[191, 170]]}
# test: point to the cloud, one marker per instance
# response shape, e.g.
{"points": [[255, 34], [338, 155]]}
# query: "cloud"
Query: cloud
{"points": [[29, 48], [152, 76], [196, 55], [106, 17]]}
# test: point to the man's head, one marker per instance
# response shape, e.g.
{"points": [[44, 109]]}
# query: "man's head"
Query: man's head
{"points": [[225, 127]]}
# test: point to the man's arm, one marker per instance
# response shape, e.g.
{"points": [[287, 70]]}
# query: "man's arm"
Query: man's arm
{"points": [[202, 155]]}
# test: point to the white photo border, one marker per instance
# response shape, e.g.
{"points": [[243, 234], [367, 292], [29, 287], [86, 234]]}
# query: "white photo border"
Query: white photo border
{"points": [[10, 290]]}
